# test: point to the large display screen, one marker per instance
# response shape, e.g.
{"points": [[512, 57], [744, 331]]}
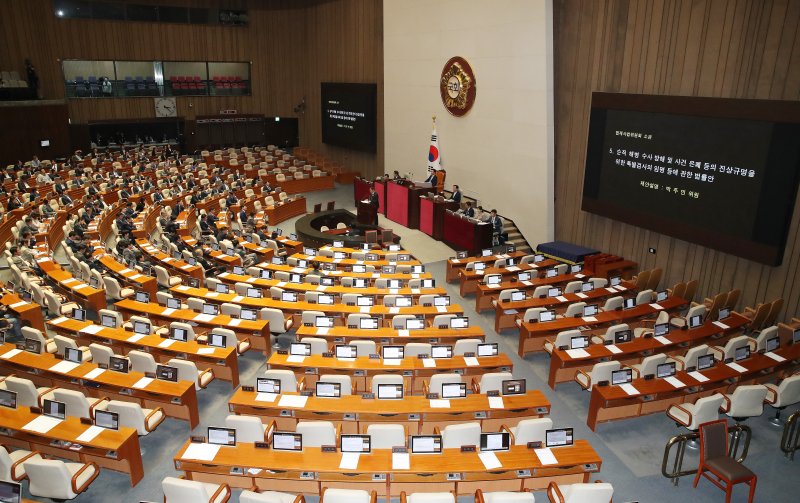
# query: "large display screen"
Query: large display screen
{"points": [[722, 173], [349, 114]]}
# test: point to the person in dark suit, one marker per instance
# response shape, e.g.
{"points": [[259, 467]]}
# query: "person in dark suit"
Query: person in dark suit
{"points": [[65, 199], [456, 197], [432, 177], [497, 227], [469, 211], [374, 202]]}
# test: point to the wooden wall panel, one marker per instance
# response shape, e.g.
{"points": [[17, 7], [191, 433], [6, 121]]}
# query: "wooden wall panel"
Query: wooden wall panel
{"points": [[25, 125], [714, 48]]}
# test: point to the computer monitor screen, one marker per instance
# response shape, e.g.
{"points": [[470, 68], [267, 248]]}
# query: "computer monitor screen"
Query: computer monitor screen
{"points": [[191, 261], [118, 364], [524, 276], [615, 281], [211, 309], [665, 370], [54, 409], [368, 323], [27, 296], [355, 443], [403, 301], [289, 296], [142, 297], [221, 288], [106, 419], [194, 283], [578, 342], [724, 312], [454, 390], [575, 268], [79, 314], [494, 279], [486, 252], [254, 293], [426, 444], [338, 244], [551, 272], [622, 336], [495, 441], [741, 353], [179, 334], [558, 438], [325, 299], [33, 346], [277, 261], [621, 376], [287, 441], [587, 287], [441, 300], [461, 254], [415, 324], [359, 268], [428, 283], [392, 352], [388, 269], [312, 252], [513, 386], [73, 355], [417, 269], [661, 329], [248, 314], [545, 316], [300, 349], [662, 295], [553, 292], [221, 436], [266, 274], [217, 340], [480, 266], [346, 351], [404, 257], [393, 283], [459, 322], [441, 351], [359, 283], [323, 321], [773, 343], [167, 373], [590, 310], [488, 349], [629, 303], [705, 362], [10, 492], [339, 255], [141, 327], [695, 321], [267, 385], [173, 303], [328, 389], [394, 248], [237, 269], [8, 399]]}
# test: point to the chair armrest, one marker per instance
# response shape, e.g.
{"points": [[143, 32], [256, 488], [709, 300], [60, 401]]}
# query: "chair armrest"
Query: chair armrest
{"points": [[726, 404], [772, 393], [222, 488], [634, 370], [301, 384], [437, 430], [299, 499], [19, 462], [201, 374], [40, 398], [679, 360], [476, 387], [373, 496], [554, 493], [3, 378], [680, 407], [425, 388], [246, 341], [588, 378], [90, 464], [478, 496], [152, 413], [719, 352], [96, 404], [402, 497], [505, 428]]}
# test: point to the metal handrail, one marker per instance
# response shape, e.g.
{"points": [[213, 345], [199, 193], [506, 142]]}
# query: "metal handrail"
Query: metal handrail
{"points": [[790, 441], [740, 434]]}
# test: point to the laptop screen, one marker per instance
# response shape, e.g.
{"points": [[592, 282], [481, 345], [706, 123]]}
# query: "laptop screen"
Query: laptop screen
{"points": [[665, 370], [622, 336], [392, 352], [179, 334], [459, 322], [141, 327], [587, 287], [426, 444], [661, 329], [661, 296], [173, 303], [248, 314], [8, 399], [629, 303], [428, 283], [289, 296], [325, 299], [616, 280], [494, 279], [695, 321], [267, 385], [365, 301], [323, 321], [74, 355], [495, 441], [773, 343], [217, 340], [705, 362], [390, 391], [524, 276], [590, 310], [742, 353], [33, 346], [237, 269], [441, 351], [79, 314], [415, 324], [300, 349], [221, 288], [254, 293], [621, 376], [551, 273], [454, 390], [403, 302], [578, 342], [142, 297], [547, 316], [346, 351], [328, 389], [723, 313], [488, 349], [221, 436], [368, 323], [211, 309], [118, 364], [441, 300], [106, 419], [575, 268], [553, 292], [513, 386], [54, 409], [558, 438], [359, 268], [167, 373], [355, 443], [287, 441]]}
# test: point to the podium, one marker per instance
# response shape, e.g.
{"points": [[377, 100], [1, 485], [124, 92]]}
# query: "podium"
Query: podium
{"points": [[403, 203], [431, 215], [367, 214]]}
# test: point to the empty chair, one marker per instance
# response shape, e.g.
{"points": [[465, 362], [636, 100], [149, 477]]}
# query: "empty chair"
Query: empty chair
{"points": [[504, 497], [28, 395], [385, 379], [783, 395], [62, 343], [437, 380], [229, 309], [443, 320], [600, 372], [334, 495], [100, 354], [492, 381], [599, 492], [287, 378], [230, 339], [142, 361], [463, 346], [745, 401], [184, 491], [610, 332], [12, 463], [344, 382], [729, 350], [531, 315], [456, 435], [649, 365], [575, 310], [115, 291], [698, 310], [55, 479], [133, 415], [598, 282], [563, 338], [55, 307], [278, 324], [529, 430], [164, 279], [714, 458], [317, 433], [187, 371], [414, 349], [308, 318], [399, 321], [48, 345], [690, 358], [763, 336], [78, 404], [386, 436], [692, 415], [644, 297], [613, 303], [364, 348], [427, 498], [318, 345], [248, 428], [573, 287], [663, 317]]}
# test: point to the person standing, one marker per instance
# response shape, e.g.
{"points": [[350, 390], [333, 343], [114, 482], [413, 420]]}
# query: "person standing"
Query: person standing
{"points": [[374, 202], [497, 228]]}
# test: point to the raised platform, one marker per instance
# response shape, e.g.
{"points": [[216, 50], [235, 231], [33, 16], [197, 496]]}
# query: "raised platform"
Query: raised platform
{"points": [[308, 230]]}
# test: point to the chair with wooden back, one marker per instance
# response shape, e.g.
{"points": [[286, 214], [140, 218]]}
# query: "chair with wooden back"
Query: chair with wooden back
{"points": [[715, 463], [691, 290], [774, 310], [655, 279], [642, 280]]}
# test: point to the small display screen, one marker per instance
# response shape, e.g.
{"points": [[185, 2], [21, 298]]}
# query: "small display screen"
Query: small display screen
{"points": [[558, 438]]}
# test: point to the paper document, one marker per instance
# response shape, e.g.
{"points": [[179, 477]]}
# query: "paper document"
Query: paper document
{"points": [[657, 307], [322, 331], [64, 367], [441, 309], [440, 404], [513, 268], [364, 309], [297, 401], [429, 363], [610, 289], [42, 424], [167, 311], [295, 359], [589, 319], [213, 295], [662, 339], [776, 357], [415, 291], [392, 362], [738, 368], [721, 325], [546, 456], [58, 321], [90, 433], [697, 376], [321, 288], [135, 337], [205, 351], [203, 317], [561, 298], [675, 382], [143, 382], [577, 353], [496, 402], [18, 304], [10, 354], [94, 373], [265, 397], [471, 361], [91, 329], [401, 461], [613, 349], [489, 460], [166, 343], [237, 298], [402, 332], [182, 288], [629, 389], [581, 295], [349, 460], [455, 261], [234, 322], [201, 452], [580, 276], [394, 310]]}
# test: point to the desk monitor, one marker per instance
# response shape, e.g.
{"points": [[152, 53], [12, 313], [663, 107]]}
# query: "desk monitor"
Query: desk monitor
{"points": [[629, 303], [194, 283], [695, 321], [214, 246], [705, 362], [773, 343], [545, 316], [221, 436], [590, 310], [403, 301], [426, 444], [359, 283], [558, 438], [459, 322], [575, 268], [73, 355], [513, 386], [538, 257], [8, 398], [248, 314], [326, 281], [338, 244], [390, 391], [741, 353], [277, 260], [441, 351], [454, 390], [339, 255], [587, 287], [143, 297], [266, 274], [346, 351], [428, 283], [372, 257], [551, 272], [79, 314], [393, 248], [355, 443], [511, 248], [167, 373], [415, 324], [177, 255], [462, 254], [417, 269], [10, 492], [480, 266], [289, 296], [365, 301], [106, 419], [615, 281], [33, 346], [578, 342], [179, 334], [524, 276], [221, 288], [267, 385], [191, 261], [237, 269], [325, 299], [393, 283], [300, 349], [661, 329], [388, 269], [665, 370], [495, 441], [172, 303], [328, 389], [54, 409], [517, 296], [553, 292], [286, 441], [254, 293], [622, 336], [328, 267], [486, 252], [141, 327], [662, 296], [368, 323], [494, 279], [621, 376], [230, 251], [323, 321], [724, 312], [27, 296], [510, 261], [211, 309], [217, 340], [488, 349], [441, 301], [393, 352], [359, 268], [404, 257], [311, 252], [118, 364]]}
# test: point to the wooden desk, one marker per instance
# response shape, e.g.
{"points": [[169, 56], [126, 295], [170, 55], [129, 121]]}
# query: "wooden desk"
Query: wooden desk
{"points": [[178, 399], [29, 313], [349, 262], [116, 450], [223, 361], [283, 211], [257, 331], [456, 265], [462, 234], [532, 335], [485, 294], [563, 367], [431, 215], [133, 278], [179, 267], [371, 276], [311, 184], [83, 294], [609, 403], [469, 279], [289, 471], [362, 369], [389, 335]]}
